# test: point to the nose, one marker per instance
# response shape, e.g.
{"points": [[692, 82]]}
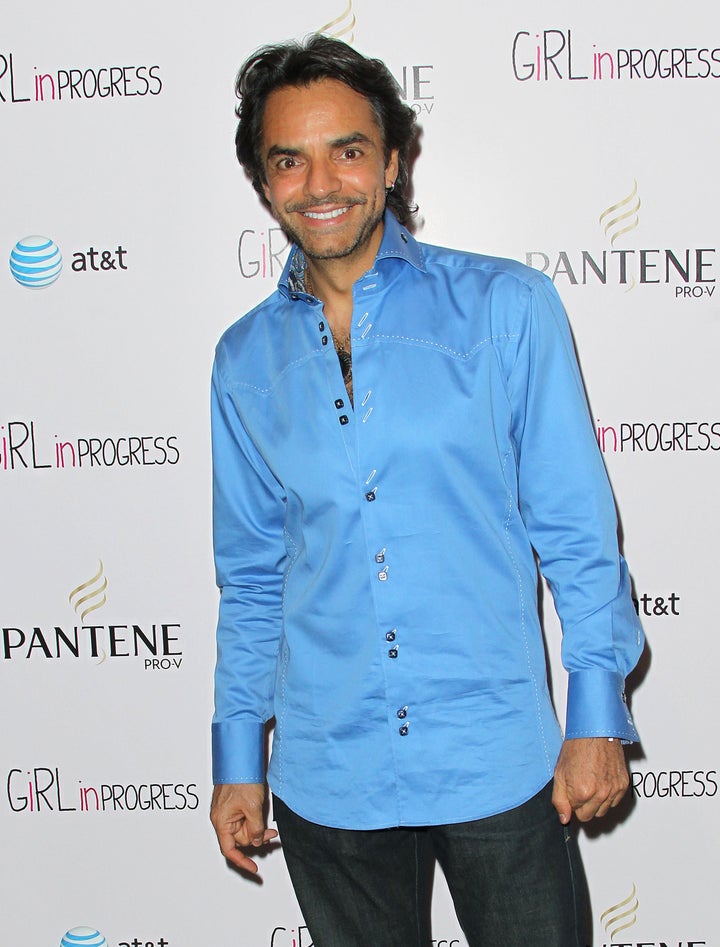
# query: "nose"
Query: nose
{"points": [[322, 179]]}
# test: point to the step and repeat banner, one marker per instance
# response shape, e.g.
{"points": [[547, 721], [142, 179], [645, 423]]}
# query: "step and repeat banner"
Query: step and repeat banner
{"points": [[580, 140]]}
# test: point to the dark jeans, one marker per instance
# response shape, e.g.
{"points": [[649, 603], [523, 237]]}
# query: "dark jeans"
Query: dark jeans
{"points": [[515, 879]]}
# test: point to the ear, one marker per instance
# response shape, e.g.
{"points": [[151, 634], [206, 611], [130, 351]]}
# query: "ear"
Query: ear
{"points": [[391, 168]]}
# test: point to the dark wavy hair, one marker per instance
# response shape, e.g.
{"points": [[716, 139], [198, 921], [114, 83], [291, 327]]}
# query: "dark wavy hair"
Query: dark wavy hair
{"points": [[319, 57]]}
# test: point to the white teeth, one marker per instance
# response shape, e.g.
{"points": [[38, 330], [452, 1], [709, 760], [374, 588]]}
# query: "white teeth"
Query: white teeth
{"points": [[328, 215]]}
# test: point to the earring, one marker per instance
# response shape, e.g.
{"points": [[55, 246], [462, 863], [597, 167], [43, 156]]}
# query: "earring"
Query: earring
{"points": [[390, 188]]}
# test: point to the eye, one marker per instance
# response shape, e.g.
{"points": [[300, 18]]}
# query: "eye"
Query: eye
{"points": [[351, 154], [286, 162]]}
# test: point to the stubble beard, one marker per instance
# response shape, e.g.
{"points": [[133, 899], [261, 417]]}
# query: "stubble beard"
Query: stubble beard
{"points": [[361, 239]]}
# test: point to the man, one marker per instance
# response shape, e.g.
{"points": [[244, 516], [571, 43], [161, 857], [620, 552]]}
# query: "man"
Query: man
{"points": [[396, 431]]}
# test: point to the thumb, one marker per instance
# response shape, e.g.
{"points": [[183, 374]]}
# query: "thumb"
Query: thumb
{"points": [[561, 802], [255, 826]]}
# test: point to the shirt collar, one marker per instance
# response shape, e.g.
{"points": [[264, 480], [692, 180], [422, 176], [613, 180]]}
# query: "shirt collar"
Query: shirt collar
{"points": [[397, 242]]}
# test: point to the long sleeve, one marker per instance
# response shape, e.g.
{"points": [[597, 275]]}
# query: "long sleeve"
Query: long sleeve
{"points": [[378, 565], [249, 553], [568, 509]]}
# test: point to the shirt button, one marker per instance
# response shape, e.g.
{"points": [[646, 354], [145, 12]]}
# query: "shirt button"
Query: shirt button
{"points": [[390, 635], [324, 340], [383, 575], [380, 556], [402, 713], [321, 326], [393, 652], [370, 495], [403, 731], [339, 403], [344, 420]]}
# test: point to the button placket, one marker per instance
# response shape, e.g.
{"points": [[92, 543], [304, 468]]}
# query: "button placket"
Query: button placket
{"points": [[364, 327]]}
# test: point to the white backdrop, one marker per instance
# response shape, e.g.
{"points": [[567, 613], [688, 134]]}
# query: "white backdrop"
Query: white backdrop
{"points": [[583, 141]]}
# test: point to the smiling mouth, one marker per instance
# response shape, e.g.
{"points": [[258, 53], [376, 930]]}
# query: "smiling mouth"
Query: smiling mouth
{"points": [[326, 215]]}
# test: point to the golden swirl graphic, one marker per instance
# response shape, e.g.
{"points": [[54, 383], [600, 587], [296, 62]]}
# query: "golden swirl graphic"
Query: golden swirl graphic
{"points": [[629, 206], [619, 919], [95, 594], [341, 26]]}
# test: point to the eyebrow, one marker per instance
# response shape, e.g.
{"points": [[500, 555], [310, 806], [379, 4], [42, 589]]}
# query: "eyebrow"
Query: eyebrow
{"points": [[354, 138]]}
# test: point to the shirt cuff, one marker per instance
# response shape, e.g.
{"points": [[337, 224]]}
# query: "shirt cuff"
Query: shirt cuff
{"points": [[596, 706], [238, 752]]}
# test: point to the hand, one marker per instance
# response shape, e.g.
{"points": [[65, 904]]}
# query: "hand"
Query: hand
{"points": [[591, 777], [238, 818]]}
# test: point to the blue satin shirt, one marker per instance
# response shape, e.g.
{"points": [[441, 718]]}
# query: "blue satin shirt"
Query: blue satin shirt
{"points": [[376, 564]]}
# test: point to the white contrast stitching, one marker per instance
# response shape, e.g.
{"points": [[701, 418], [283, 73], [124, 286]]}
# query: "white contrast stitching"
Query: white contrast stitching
{"points": [[446, 348], [521, 593]]}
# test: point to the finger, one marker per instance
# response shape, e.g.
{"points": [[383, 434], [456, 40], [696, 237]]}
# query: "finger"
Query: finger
{"points": [[602, 810], [235, 855], [618, 797], [592, 808], [253, 831], [238, 858], [561, 803]]}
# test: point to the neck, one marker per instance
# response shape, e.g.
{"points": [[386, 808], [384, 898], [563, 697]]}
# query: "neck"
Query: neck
{"points": [[332, 280]]}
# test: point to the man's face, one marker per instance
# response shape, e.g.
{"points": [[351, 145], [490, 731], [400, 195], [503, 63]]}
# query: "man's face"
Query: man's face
{"points": [[325, 169]]}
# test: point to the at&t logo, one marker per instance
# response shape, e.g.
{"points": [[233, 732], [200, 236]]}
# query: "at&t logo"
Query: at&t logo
{"points": [[83, 937], [35, 261], [89, 937]]}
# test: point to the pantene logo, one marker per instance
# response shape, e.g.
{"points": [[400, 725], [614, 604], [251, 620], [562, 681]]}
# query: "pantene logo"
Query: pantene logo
{"points": [[689, 272], [623, 916], [342, 27], [155, 644]]}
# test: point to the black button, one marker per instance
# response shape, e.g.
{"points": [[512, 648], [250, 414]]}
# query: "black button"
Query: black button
{"points": [[403, 731], [339, 403], [403, 237], [402, 713], [370, 495], [324, 340], [344, 420], [390, 635], [294, 296], [321, 326], [393, 653]]}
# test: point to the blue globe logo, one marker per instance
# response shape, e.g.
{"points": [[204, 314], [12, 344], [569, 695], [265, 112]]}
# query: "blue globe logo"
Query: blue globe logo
{"points": [[35, 261], [83, 937]]}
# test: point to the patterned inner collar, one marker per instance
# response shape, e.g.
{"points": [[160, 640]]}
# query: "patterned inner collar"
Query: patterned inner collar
{"points": [[296, 273]]}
